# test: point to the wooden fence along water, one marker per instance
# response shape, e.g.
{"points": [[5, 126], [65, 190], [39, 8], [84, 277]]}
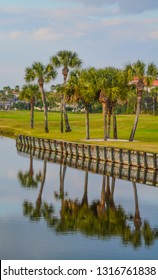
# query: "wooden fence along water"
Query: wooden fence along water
{"points": [[121, 163]]}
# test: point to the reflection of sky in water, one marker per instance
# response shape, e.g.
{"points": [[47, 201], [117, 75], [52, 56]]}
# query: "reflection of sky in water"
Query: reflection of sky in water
{"points": [[22, 239]]}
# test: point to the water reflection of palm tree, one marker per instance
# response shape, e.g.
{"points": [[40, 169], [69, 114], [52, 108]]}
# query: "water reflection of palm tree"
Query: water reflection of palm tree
{"points": [[137, 219], [39, 198], [107, 196], [28, 179], [85, 194], [62, 173], [104, 196], [40, 209], [95, 219], [102, 218], [35, 212], [141, 230]]}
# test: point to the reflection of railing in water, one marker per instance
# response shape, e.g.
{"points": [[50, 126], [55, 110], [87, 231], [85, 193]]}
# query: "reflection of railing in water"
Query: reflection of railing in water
{"points": [[125, 172], [99, 153]]}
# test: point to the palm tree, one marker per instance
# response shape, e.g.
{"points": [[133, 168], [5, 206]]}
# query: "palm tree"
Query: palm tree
{"points": [[66, 59], [82, 87], [58, 90], [143, 76], [29, 93], [17, 89], [112, 87], [3, 99], [43, 74], [154, 95]]}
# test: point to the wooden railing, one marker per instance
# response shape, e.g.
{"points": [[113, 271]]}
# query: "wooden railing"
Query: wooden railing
{"points": [[99, 153], [126, 172]]}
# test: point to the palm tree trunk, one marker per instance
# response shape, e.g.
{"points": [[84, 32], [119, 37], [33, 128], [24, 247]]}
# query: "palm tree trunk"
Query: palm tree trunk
{"points": [[154, 105], [85, 195], [101, 206], [68, 129], [109, 123], [137, 219], [107, 189], [62, 178], [114, 126], [31, 165], [136, 119], [87, 123], [39, 199], [45, 108], [104, 106], [61, 121], [32, 114]]}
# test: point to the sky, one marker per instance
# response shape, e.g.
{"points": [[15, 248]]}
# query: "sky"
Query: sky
{"points": [[102, 32]]}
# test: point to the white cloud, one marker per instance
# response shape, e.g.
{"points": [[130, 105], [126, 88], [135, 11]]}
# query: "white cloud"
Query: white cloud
{"points": [[16, 34], [114, 22], [46, 34], [153, 35], [125, 6]]}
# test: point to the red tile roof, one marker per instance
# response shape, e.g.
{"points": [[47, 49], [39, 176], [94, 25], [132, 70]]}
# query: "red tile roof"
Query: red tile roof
{"points": [[155, 82]]}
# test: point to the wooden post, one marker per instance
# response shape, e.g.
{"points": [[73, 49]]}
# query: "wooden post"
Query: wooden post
{"points": [[105, 154], [154, 161], [43, 143], [138, 158], [145, 160], [121, 157], [97, 153], [112, 154], [70, 145], [89, 152], [55, 146], [129, 157], [83, 155], [76, 145]]}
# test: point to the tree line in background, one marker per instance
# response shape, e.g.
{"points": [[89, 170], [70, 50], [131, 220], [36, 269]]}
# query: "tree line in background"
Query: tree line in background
{"points": [[112, 90]]}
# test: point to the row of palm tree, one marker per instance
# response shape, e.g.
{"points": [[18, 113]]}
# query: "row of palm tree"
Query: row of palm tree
{"points": [[46, 73], [108, 85]]}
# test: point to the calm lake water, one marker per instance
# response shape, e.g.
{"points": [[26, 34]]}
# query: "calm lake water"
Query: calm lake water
{"points": [[52, 211]]}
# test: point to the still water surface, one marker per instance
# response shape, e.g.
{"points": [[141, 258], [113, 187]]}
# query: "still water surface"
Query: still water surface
{"points": [[52, 211]]}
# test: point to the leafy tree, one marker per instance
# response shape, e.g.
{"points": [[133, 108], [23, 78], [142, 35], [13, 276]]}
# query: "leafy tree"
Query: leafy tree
{"points": [[112, 85], [82, 86], [30, 93], [144, 76], [17, 88], [66, 59], [43, 74], [154, 94], [58, 90], [3, 99]]}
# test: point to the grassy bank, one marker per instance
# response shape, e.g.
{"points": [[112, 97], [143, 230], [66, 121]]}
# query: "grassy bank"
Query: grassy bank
{"points": [[13, 123]]}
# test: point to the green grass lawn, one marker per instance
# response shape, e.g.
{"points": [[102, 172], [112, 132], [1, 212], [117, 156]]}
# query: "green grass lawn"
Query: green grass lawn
{"points": [[13, 123]]}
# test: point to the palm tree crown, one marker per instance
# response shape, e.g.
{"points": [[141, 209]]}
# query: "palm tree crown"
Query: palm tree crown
{"points": [[67, 59], [44, 74]]}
